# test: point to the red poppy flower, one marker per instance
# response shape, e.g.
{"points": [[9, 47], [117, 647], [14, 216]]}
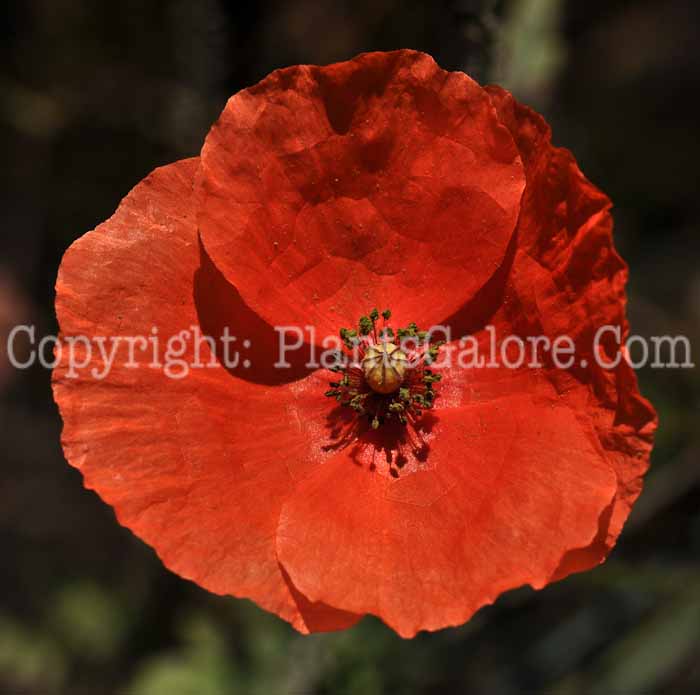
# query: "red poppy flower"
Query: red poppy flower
{"points": [[321, 193]]}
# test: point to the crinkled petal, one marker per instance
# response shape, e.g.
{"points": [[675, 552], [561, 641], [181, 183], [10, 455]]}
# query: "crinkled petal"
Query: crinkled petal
{"points": [[568, 279], [380, 181], [511, 483], [197, 467]]}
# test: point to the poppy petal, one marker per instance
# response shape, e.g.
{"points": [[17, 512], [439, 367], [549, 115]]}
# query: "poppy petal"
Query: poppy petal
{"points": [[511, 484], [380, 181], [571, 281], [187, 464]]}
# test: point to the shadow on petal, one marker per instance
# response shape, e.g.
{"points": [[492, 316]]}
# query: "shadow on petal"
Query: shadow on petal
{"points": [[473, 316], [317, 616], [220, 307]]}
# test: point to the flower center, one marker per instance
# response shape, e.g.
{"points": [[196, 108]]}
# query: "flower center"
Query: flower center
{"points": [[384, 367], [385, 374]]}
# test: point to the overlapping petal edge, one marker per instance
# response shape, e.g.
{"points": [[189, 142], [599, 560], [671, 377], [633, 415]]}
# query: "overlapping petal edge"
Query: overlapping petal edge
{"points": [[531, 475]]}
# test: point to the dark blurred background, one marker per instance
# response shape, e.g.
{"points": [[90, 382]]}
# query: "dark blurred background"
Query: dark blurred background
{"points": [[93, 96]]}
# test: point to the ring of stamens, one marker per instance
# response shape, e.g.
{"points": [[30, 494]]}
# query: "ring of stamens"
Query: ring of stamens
{"points": [[385, 374]]}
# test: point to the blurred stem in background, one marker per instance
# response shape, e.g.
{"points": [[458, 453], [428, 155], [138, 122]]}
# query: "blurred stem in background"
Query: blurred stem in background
{"points": [[530, 50]]}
